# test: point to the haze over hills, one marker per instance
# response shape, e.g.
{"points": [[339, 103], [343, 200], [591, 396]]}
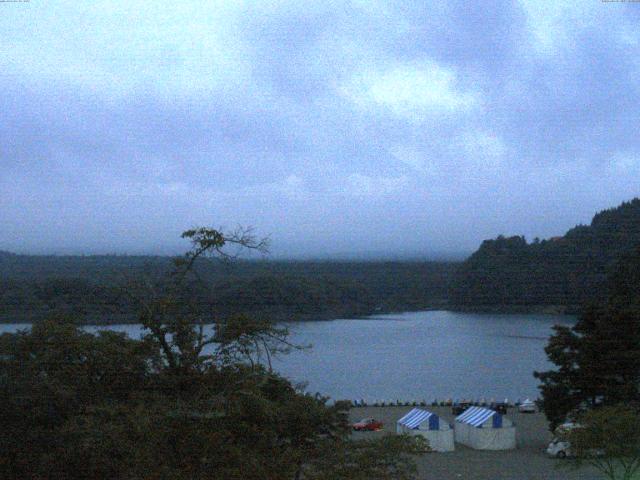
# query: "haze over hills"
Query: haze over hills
{"points": [[559, 274]]}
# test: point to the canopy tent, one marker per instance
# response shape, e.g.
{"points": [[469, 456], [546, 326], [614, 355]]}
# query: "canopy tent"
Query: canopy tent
{"points": [[485, 429], [438, 433]]}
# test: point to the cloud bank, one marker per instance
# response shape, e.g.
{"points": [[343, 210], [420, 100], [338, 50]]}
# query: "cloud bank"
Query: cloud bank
{"points": [[337, 128]]}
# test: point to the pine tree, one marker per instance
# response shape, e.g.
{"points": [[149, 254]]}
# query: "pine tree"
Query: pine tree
{"points": [[598, 359]]}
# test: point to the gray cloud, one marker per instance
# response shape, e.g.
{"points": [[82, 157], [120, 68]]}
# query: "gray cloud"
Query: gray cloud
{"points": [[337, 128]]}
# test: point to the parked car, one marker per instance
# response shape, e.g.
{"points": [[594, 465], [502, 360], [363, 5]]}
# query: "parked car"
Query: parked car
{"points": [[370, 424], [527, 407], [559, 448]]}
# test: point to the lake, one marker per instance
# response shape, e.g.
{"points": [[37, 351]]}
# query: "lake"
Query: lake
{"points": [[416, 355]]}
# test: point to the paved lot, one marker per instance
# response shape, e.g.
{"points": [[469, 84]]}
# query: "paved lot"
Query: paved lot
{"points": [[527, 462]]}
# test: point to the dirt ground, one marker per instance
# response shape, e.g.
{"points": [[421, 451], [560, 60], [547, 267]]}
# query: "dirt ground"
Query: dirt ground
{"points": [[527, 462]]}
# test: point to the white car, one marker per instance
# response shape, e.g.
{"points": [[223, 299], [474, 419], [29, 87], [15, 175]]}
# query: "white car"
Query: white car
{"points": [[527, 407], [559, 448]]}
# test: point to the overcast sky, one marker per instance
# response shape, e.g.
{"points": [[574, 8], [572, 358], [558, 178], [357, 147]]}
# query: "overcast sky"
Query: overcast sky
{"points": [[338, 128]]}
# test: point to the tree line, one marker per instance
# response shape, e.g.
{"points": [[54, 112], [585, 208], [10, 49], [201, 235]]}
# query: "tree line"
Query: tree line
{"points": [[564, 272], [95, 288]]}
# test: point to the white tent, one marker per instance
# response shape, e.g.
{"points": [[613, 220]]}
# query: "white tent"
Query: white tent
{"points": [[437, 432], [484, 429]]}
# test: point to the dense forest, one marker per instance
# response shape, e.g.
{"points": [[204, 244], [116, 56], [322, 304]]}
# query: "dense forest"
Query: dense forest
{"points": [[97, 288], [561, 273]]}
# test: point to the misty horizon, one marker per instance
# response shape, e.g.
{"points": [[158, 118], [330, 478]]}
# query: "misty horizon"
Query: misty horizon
{"points": [[366, 256]]}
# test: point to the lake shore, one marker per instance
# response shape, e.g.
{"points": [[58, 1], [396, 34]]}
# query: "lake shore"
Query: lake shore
{"points": [[94, 320], [517, 309], [527, 462]]}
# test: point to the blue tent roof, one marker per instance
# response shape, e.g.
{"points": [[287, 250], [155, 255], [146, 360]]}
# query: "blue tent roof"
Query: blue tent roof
{"points": [[417, 416], [476, 416]]}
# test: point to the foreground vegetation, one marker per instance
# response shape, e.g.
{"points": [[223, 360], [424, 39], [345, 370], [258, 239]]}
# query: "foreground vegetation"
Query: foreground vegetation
{"points": [[176, 404], [598, 359], [609, 440], [596, 382]]}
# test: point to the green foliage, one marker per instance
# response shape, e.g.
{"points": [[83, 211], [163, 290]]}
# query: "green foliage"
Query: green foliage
{"points": [[565, 272], [80, 406], [83, 406], [51, 375], [598, 359], [608, 439], [94, 289], [243, 338]]}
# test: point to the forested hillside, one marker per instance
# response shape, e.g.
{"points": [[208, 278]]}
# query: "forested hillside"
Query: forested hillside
{"points": [[560, 273], [97, 287]]}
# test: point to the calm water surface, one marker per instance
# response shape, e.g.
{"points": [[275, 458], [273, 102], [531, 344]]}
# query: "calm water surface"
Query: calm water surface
{"points": [[416, 355]]}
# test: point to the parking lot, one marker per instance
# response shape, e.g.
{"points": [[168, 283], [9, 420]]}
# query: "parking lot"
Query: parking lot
{"points": [[527, 461]]}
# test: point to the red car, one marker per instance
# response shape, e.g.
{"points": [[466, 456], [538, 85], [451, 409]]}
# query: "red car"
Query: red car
{"points": [[370, 424]]}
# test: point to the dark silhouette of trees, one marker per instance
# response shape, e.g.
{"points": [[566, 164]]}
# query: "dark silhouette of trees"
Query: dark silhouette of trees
{"points": [[177, 404], [608, 439], [566, 272], [598, 359], [91, 288]]}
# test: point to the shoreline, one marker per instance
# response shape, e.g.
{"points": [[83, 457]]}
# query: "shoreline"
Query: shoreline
{"points": [[328, 316], [518, 309]]}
